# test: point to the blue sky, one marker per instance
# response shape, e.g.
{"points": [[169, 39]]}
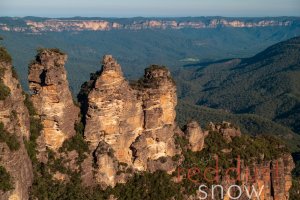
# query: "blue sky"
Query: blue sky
{"points": [[159, 8]]}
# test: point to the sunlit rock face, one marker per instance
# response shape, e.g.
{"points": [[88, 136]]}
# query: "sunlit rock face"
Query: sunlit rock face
{"points": [[14, 120], [158, 93], [52, 98], [115, 113], [195, 136], [134, 120]]}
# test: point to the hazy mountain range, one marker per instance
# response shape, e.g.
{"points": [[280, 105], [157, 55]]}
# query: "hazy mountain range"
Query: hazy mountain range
{"points": [[38, 25], [266, 85], [173, 46]]}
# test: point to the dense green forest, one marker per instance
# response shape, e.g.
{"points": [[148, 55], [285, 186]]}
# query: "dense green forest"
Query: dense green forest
{"points": [[249, 123], [135, 50], [267, 85]]}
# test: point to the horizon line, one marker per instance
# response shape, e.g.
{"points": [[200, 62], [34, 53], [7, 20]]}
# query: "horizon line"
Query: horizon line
{"points": [[131, 17]]}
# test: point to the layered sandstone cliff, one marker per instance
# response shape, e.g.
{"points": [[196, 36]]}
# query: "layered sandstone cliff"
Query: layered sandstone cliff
{"points": [[14, 119], [58, 25], [272, 178], [135, 123], [52, 99], [157, 91]]}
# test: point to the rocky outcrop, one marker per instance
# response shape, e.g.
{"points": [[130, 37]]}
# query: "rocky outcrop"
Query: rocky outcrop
{"points": [[281, 177], [52, 99], [134, 121], [273, 178], [14, 119], [227, 130], [195, 136]]}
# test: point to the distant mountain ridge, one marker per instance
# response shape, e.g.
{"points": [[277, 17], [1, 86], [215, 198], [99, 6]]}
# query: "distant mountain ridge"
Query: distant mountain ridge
{"points": [[36, 25], [266, 84]]}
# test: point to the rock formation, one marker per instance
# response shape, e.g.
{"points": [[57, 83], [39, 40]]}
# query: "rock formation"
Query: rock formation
{"points": [[134, 121], [158, 93], [273, 177], [52, 98], [195, 136], [129, 127], [281, 177], [115, 114], [14, 119], [227, 130]]}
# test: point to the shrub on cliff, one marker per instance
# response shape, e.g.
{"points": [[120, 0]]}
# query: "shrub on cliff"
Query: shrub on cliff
{"points": [[35, 129], [4, 55], [5, 180], [14, 73], [4, 90], [77, 143], [55, 50], [10, 139], [157, 185]]}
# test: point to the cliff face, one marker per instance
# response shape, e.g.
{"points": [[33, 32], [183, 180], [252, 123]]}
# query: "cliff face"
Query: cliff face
{"points": [[134, 123], [52, 99], [14, 119], [272, 177], [58, 25]]}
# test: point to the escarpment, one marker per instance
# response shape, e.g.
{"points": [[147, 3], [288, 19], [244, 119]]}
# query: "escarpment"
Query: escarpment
{"points": [[52, 99], [14, 132]]}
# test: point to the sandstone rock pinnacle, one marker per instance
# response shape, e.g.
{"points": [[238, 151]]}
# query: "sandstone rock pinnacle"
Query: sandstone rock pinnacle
{"points": [[195, 136], [52, 98]]}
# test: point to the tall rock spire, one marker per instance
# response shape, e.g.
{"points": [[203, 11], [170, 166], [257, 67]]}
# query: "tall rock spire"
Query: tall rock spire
{"points": [[158, 92], [52, 98], [115, 114]]}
